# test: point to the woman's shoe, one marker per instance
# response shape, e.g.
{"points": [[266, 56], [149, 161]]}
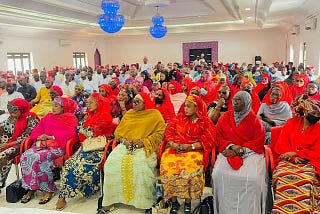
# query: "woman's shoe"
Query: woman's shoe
{"points": [[27, 197], [175, 206], [46, 198], [187, 208], [103, 211]]}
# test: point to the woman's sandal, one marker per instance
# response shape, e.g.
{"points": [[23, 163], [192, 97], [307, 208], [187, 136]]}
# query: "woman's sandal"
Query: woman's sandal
{"points": [[103, 211], [187, 208], [175, 206], [45, 199], [27, 197]]}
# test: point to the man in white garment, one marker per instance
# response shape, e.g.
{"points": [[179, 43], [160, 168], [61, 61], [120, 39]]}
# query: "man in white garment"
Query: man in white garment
{"points": [[6, 97], [90, 84], [68, 85], [146, 66], [106, 77]]}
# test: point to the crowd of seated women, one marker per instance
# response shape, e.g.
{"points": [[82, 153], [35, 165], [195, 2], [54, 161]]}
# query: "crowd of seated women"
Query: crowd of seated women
{"points": [[169, 123]]}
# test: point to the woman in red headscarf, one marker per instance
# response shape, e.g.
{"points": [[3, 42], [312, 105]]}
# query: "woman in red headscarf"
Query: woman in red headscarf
{"points": [[296, 153], [106, 92], [188, 141], [50, 138], [134, 160], [262, 88], [80, 174], [299, 85], [177, 96], [246, 85], [13, 131]]}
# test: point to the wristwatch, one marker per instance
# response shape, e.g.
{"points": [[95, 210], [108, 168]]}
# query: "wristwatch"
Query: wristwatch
{"points": [[193, 147]]}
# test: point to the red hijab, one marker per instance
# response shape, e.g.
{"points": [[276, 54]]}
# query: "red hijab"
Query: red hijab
{"points": [[21, 123], [177, 87], [285, 93], [100, 121], [109, 91], [166, 108], [69, 107], [148, 104]]}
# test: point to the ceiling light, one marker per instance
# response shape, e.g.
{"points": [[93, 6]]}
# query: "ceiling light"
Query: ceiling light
{"points": [[247, 8]]}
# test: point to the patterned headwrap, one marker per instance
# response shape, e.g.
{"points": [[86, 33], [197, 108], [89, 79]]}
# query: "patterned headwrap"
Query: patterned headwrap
{"points": [[191, 99], [305, 103]]}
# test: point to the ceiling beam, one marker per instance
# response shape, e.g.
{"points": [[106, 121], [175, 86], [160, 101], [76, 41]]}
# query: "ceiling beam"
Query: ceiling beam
{"points": [[262, 8], [232, 7]]}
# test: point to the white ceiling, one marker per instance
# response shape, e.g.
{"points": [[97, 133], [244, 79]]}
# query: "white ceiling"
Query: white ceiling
{"points": [[70, 17]]}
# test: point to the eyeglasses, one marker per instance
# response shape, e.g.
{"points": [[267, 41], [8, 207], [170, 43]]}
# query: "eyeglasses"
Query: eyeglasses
{"points": [[12, 108], [222, 92]]}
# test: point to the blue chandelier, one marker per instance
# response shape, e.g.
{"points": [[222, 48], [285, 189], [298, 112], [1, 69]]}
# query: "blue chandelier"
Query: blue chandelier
{"points": [[110, 21], [158, 30]]}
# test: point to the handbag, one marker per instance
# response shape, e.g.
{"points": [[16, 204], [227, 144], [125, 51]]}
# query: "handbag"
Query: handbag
{"points": [[205, 206], [15, 191], [161, 207], [46, 144], [93, 144]]}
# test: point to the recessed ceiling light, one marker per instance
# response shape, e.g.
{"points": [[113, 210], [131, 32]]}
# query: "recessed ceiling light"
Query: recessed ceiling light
{"points": [[249, 17], [247, 8]]}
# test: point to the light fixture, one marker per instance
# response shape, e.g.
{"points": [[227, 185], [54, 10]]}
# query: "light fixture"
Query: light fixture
{"points": [[110, 21], [158, 30], [247, 9]]}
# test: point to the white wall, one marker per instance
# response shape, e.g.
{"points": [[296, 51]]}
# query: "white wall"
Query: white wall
{"points": [[311, 37], [239, 46]]}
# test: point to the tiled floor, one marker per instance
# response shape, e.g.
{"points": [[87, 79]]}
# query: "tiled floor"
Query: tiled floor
{"points": [[85, 206]]}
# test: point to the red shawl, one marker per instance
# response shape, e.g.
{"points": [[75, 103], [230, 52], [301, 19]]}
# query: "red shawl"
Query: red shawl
{"points": [[100, 121], [67, 117], [250, 134], [109, 91], [306, 144], [295, 90], [188, 85], [148, 104], [21, 123], [177, 88], [260, 85], [166, 108], [181, 130], [285, 94]]}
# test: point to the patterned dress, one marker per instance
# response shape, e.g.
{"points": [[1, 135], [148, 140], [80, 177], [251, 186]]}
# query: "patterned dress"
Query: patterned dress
{"points": [[7, 155], [80, 175]]}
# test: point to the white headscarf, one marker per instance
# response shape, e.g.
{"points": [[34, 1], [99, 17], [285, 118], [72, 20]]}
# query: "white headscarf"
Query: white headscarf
{"points": [[246, 99]]}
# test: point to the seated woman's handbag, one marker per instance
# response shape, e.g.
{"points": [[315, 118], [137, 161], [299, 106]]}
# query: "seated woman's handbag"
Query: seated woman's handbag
{"points": [[94, 144], [15, 191], [46, 144]]}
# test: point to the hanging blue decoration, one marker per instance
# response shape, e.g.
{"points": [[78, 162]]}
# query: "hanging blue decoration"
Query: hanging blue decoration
{"points": [[110, 21], [158, 30]]}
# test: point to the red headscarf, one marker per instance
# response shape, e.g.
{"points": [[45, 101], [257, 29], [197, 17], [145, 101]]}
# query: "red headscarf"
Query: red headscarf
{"points": [[295, 90], [148, 104], [108, 89], [285, 93], [166, 108], [57, 89], [177, 87], [21, 123], [188, 84], [69, 107], [99, 121], [260, 85]]}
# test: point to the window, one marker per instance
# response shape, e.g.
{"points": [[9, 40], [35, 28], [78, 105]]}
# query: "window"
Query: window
{"points": [[79, 59], [291, 53], [19, 62]]}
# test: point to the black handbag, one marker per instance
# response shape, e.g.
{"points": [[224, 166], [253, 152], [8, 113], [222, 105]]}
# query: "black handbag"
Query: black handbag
{"points": [[15, 191], [205, 206]]}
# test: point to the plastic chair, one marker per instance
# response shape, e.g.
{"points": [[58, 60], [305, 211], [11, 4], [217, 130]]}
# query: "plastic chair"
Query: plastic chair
{"points": [[16, 160]]}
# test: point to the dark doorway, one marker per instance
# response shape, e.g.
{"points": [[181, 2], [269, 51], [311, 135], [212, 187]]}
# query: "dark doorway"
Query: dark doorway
{"points": [[193, 53], [97, 59]]}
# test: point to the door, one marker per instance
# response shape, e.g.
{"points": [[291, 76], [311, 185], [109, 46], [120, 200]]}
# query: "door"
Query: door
{"points": [[193, 53]]}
